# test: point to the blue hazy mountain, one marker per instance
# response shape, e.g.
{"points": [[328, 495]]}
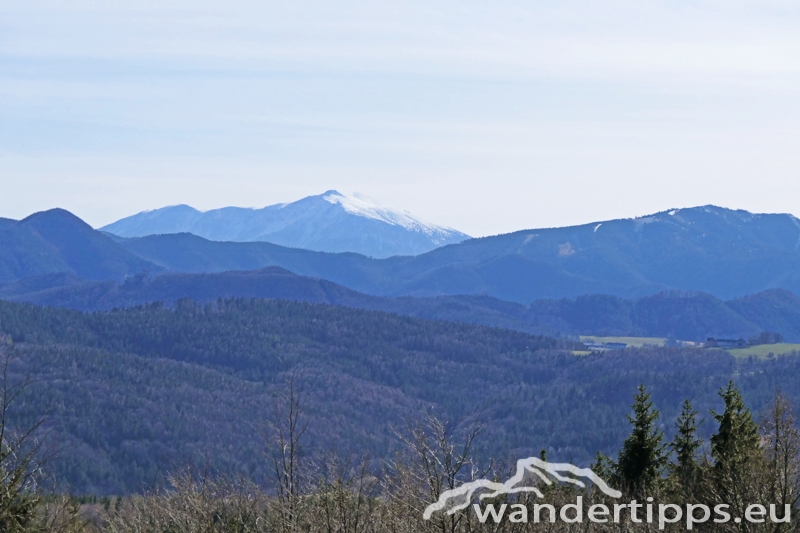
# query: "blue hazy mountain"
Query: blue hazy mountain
{"points": [[57, 241], [329, 222], [709, 249], [706, 249]]}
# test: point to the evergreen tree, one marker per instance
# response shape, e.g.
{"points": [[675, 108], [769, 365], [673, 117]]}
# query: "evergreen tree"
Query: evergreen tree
{"points": [[738, 461], [737, 440], [643, 456], [685, 446], [602, 466]]}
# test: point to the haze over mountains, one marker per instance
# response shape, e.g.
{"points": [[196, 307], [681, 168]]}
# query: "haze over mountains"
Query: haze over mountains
{"points": [[329, 222], [137, 388], [708, 249], [53, 258]]}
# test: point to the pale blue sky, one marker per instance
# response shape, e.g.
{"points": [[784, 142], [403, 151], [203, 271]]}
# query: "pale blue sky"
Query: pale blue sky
{"points": [[485, 116]]}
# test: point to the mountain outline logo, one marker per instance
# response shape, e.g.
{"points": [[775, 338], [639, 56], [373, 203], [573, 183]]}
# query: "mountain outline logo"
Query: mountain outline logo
{"points": [[460, 498]]}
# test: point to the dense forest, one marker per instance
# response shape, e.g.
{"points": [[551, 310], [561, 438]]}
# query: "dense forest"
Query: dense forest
{"points": [[130, 393], [681, 315], [688, 316]]}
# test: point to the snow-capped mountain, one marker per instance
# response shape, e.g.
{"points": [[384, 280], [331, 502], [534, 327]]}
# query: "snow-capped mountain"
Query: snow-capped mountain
{"points": [[329, 222]]}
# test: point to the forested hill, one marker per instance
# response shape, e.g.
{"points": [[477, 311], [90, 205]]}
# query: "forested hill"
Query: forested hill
{"points": [[63, 290], [671, 314], [675, 314], [134, 392]]}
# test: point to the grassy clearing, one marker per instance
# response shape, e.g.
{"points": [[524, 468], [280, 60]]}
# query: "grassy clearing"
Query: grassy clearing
{"points": [[630, 341], [763, 350]]}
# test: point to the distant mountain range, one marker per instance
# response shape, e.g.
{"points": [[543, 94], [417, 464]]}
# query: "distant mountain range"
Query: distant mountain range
{"points": [[707, 249], [132, 391], [329, 222], [671, 314]]}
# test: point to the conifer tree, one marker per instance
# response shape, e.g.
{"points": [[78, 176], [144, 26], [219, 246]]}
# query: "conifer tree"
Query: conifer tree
{"points": [[737, 440], [643, 456], [602, 466], [685, 446], [735, 448]]}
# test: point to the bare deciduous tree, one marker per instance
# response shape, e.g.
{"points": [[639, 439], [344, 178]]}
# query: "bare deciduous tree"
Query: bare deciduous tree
{"points": [[282, 436], [434, 461], [782, 454], [346, 498], [195, 504]]}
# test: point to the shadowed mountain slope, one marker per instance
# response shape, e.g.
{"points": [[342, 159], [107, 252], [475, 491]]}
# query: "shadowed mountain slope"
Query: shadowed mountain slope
{"points": [[778, 308], [58, 241]]}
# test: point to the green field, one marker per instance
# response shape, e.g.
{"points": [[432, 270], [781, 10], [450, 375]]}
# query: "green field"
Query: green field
{"points": [[630, 341], [763, 350]]}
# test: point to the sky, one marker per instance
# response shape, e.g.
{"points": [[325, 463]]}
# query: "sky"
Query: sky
{"points": [[487, 117]]}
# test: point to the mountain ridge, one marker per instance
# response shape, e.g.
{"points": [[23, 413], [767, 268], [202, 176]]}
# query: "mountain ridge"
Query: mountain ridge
{"points": [[708, 249], [329, 222], [671, 314]]}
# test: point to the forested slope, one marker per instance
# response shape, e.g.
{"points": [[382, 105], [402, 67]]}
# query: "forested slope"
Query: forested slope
{"points": [[133, 392], [671, 314]]}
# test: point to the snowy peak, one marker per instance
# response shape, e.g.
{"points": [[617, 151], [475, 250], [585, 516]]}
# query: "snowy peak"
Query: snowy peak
{"points": [[330, 222], [359, 205]]}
